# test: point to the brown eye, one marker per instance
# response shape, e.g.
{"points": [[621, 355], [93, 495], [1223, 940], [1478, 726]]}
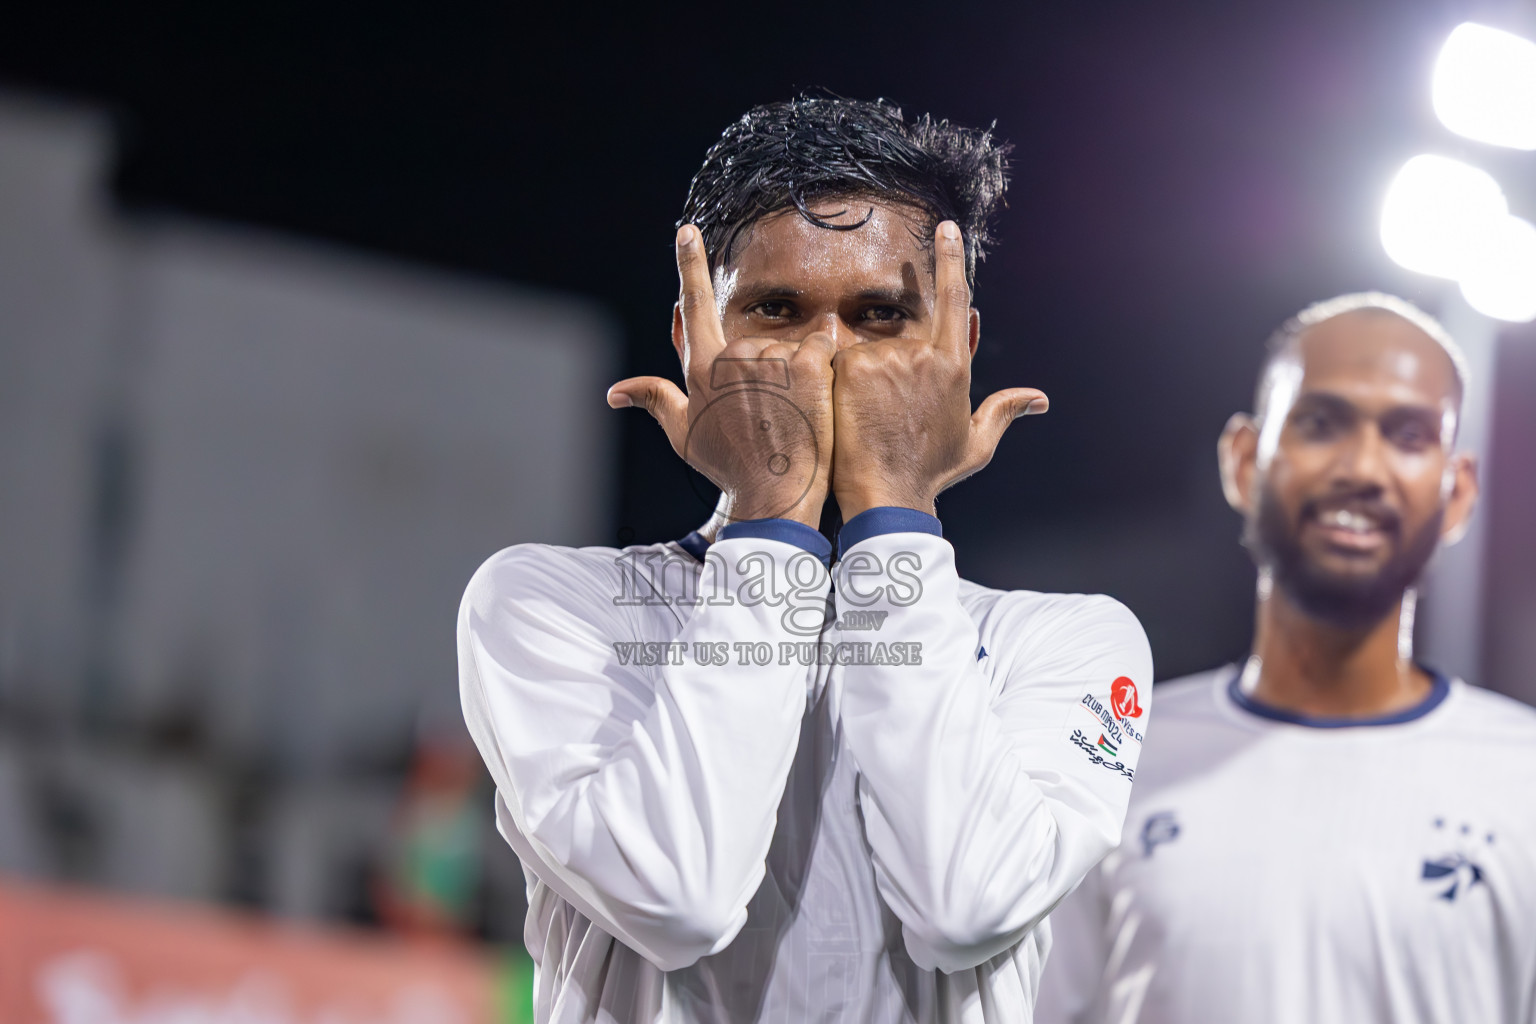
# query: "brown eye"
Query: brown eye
{"points": [[1313, 423], [773, 310], [885, 314], [1412, 437]]}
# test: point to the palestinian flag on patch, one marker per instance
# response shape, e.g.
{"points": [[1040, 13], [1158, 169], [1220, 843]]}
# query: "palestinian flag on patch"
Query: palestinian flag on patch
{"points": [[1106, 745]]}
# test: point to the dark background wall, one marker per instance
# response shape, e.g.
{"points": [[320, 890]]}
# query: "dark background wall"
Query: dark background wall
{"points": [[1186, 175]]}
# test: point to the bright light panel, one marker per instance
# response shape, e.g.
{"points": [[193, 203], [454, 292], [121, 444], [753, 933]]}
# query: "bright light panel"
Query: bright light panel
{"points": [[1438, 214], [1485, 86], [1500, 280]]}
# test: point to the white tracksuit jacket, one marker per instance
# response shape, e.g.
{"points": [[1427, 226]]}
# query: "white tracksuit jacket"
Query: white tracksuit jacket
{"points": [[738, 797]]}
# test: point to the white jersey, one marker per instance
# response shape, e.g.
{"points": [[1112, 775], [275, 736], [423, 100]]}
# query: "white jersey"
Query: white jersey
{"points": [[733, 806], [1286, 870]]}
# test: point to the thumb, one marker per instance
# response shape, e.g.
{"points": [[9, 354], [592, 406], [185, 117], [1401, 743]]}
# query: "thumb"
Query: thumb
{"points": [[994, 416], [657, 396]]}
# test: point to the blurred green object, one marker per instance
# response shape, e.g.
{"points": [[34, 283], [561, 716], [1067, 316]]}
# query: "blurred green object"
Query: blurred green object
{"points": [[438, 857], [514, 986], [432, 868]]}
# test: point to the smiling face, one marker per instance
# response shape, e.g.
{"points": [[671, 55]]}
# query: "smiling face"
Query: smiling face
{"points": [[1351, 480], [788, 278]]}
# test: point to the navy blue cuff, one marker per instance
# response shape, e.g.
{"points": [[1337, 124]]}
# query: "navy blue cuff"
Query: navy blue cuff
{"points": [[789, 531], [872, 522]]}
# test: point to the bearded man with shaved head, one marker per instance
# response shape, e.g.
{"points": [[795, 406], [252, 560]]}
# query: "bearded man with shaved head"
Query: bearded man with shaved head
{"points": [[1332, 833]]}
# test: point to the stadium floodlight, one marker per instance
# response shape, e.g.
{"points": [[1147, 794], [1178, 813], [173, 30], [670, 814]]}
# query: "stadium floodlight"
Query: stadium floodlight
{"points": [[1485, 86], [1500, 279], [1438, 213]]}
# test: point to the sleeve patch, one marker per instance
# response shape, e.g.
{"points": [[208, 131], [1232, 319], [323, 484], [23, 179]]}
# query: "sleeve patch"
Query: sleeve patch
{"points": [[1105, 739]]}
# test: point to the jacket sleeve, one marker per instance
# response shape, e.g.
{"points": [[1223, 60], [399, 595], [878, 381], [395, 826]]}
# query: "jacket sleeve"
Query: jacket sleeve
{"points": [[1075, 967], [986, 802], [644, 794]]}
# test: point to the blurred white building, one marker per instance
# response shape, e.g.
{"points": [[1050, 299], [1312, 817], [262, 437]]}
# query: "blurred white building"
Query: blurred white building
{"points": [[244, 482]]}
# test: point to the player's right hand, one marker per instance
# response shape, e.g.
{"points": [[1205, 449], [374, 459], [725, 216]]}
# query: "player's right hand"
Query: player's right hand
{"points": [[757, 416]]}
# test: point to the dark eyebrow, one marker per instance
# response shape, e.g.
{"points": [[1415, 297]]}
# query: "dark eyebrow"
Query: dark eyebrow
{"points": [[1326, 401], [765, 290], [909, 297], [1429, 418], [1323, 401]]}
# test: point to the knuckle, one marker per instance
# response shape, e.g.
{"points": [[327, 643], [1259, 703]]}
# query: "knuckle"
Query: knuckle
{"points": [[815, 358]]}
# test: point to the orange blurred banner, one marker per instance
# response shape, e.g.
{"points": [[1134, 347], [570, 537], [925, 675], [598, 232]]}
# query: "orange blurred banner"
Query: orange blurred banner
{"points": [[67, 957]]}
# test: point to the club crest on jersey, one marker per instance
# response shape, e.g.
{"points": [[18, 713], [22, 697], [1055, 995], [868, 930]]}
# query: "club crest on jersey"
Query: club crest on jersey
{"points": [[1454, 874], [1456, 869], [1126, 701]]}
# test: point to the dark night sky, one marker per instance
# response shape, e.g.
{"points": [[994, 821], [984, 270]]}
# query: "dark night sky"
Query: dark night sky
{"points": [[1186, 176]]}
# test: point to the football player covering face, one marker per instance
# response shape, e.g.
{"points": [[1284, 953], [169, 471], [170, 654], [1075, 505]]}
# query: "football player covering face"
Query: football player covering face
{"points": [[872, 322], [731, 811], [1347, 480]]}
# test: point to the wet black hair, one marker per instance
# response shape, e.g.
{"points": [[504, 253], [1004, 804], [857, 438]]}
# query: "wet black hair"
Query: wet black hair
{"points": [[787, 155]]}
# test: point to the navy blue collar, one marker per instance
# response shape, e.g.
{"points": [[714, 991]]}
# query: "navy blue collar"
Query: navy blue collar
{"points": [[695, 545], [1440, 688]]}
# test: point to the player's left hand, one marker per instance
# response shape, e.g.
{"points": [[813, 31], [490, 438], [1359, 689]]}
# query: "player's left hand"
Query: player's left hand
{"points": [[902, 406]]}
